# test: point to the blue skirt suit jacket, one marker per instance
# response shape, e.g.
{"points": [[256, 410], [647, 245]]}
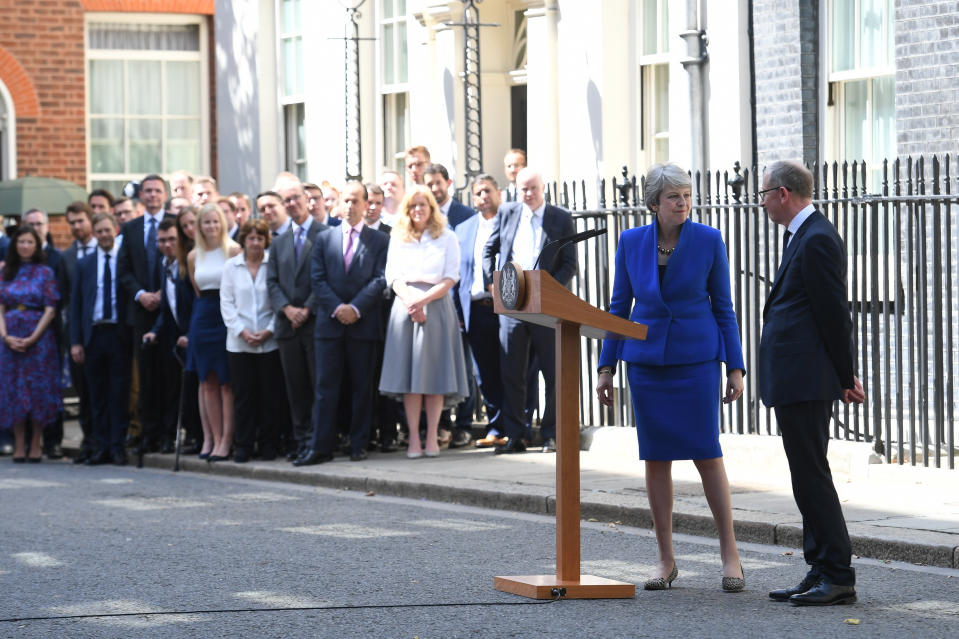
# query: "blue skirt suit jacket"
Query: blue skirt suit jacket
{"points": [[674, 372]]}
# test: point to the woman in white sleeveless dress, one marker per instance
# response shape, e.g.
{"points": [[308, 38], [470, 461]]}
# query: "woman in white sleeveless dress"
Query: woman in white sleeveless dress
{"points": [[206, 352]]}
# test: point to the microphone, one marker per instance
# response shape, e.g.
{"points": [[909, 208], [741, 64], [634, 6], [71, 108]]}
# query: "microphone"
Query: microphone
{"points": [[561, 243]]}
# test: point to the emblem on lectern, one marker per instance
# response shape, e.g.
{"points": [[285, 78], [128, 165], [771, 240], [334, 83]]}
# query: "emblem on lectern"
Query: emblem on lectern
{"points": [[512, 286]]}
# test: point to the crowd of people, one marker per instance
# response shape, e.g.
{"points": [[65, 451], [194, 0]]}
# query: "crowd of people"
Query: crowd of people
{"points": [[311, 321], [308, 321]]}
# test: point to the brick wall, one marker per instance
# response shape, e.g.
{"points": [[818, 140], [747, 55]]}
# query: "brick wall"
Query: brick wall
{"points": [[786, 46], [927, 77], [42, 64]]}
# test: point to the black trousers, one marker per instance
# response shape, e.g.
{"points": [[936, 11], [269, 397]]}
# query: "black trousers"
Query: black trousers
{"points": [[483, 337], [151, 392], [337, 359], [258, 401], [517, 340], [79, 377], [805, 434], [299, 373], [107, 368]]}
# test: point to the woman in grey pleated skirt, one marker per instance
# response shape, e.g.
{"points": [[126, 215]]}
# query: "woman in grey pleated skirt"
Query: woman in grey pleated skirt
{"points": [[423, 362]]}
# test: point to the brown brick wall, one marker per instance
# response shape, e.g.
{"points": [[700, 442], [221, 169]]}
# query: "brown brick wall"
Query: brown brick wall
{"points": [[41, 63]]}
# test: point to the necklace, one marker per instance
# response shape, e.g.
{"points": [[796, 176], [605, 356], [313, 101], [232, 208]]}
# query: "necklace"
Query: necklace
{"points": [[663, 250]]}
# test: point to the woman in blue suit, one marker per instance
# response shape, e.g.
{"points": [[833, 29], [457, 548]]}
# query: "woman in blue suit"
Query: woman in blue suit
{"points": [[673, 276]]}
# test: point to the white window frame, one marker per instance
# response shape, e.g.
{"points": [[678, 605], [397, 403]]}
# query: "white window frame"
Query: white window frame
{"points": [[202, 56], [9, 126], [650, 66], [294, 158], [835, 143], [392, 157]]}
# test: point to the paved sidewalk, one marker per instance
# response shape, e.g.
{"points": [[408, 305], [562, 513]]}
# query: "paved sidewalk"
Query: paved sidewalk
{"points": [[893, 512]]}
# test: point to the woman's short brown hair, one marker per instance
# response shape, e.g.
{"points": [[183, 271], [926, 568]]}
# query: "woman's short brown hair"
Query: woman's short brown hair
{"points": [[256, 226]]}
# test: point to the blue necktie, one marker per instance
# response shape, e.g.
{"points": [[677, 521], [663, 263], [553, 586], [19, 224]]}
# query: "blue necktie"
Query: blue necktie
{"points": [[107, 288], [151, 251]]}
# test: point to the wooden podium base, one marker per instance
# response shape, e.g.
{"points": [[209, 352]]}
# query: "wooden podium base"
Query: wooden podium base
{"points": [[587, 587]]}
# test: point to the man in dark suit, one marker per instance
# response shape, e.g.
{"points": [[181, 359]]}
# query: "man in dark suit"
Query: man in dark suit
{"points": [[288, 282], [169, 332], [521, 232], [100, 342], [347, 274], [79, 217], [437, 178], [139, 275], [806, 362]]}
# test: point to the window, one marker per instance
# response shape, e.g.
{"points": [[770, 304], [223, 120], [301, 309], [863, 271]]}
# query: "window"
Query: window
{"points": [[654, 82], [862, 96], [394, 65], [8, 133], [291, 85], [147, 98]]}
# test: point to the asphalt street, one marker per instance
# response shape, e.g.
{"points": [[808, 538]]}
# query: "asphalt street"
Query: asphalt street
{"points": [[120, 552]]}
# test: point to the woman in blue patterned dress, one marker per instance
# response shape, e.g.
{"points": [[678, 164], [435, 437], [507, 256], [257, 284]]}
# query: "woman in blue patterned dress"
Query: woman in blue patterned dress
{"points": [[28, 356]]}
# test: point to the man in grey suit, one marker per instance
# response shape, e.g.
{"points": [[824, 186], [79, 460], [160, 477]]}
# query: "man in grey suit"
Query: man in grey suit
{"points": [[348, 265], [521, 231], [807, 362], [288, 283]]}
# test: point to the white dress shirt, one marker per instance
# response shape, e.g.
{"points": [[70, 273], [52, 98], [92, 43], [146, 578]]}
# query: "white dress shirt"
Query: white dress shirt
{"points": [[169, 284], [245, 304], [429, 259], [85, 249], [483, 230], [98, 304], [798, 220], [529, 236]]}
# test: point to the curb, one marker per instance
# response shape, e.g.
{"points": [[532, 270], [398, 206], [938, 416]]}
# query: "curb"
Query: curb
{"points": [[545, 504]]}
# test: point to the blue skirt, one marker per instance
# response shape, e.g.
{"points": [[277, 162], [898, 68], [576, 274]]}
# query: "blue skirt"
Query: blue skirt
{"points": [[206, 351], [677, 410]]}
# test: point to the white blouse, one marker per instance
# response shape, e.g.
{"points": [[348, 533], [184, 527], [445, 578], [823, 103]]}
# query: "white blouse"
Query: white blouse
{"points": [[429, 259], [245, 304], [208, 269]]}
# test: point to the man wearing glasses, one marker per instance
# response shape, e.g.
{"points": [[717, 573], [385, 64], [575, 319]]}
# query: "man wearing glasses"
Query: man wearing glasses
{"points": [[288, 282], [806, 362]]}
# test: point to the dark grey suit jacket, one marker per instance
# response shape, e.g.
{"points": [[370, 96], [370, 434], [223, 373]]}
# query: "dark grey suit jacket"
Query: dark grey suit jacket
{"points": [[557, 223], [288, 279], [806, 350]]}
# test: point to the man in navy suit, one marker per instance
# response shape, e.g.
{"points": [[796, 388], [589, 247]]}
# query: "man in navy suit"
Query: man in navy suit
{"points": [[347, 274], [288, 283], [475, 304], [437, 178], [79, 217], [521, 231], [139, 276], [806, 362], [100, 342]]}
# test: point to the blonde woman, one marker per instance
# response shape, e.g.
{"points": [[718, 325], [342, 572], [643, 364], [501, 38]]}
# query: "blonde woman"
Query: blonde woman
{"points": [[206, 350], [423, 359]]}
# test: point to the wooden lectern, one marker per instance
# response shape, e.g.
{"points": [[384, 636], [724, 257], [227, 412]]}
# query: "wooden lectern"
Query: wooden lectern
{"points": [[547, 303]]}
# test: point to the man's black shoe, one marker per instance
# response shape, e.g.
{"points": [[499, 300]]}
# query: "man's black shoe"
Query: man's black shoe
{"points": [[98, 459], [461, 438], [389, 446], [296, 453], [119, 458], [825, 594], [167, 448], [312, 457], [240, 456], [784, 594], [360, 456], [549, 446], [54, 452], [82, 457], [512, 446]]}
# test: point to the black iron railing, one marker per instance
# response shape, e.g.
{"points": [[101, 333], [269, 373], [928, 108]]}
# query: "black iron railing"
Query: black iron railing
{"points": [[901, 242]]}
